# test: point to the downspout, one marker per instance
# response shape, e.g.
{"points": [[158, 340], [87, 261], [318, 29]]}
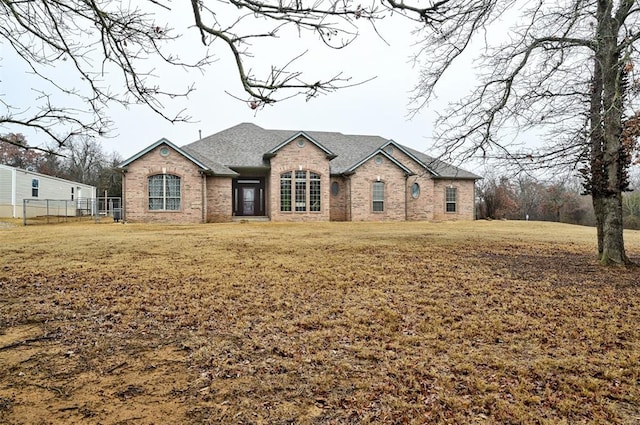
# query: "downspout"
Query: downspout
{"points": [[350, 199], [124, 196], [406, 198], [475, 210], [203, 197]]}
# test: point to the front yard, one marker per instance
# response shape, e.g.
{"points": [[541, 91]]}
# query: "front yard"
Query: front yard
{"points": [[332, 323]]}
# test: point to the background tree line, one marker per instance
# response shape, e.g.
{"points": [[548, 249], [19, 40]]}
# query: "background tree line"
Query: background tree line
{"points": [[81, 159], [522, 197]]}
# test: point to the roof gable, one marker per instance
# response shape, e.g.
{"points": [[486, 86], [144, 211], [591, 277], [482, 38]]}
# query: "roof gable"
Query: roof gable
{"points": [[272, 152], [209, 166], [379, 151], [409, 154]]}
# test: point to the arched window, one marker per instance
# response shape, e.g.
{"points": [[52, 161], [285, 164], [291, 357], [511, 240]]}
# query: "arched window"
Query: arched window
{"points": [[164, 192], [302, 189], [314, 192], [285, 191]]}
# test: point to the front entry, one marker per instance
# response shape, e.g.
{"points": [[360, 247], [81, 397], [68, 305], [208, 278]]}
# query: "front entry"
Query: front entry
{"points": [[248, 197]]}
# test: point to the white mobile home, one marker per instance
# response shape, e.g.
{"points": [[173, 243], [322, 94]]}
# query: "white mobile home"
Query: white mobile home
{"points": [[16, 185]]}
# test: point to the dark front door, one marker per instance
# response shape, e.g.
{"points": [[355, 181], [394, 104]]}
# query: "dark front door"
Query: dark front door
{"points": [[248, 197], [248, 200]]}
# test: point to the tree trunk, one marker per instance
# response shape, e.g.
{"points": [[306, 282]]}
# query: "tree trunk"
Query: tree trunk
{"points": [[607, 165], [612, 251], [598, 210]]}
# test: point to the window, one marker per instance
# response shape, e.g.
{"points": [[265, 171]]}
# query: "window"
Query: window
{"points": [[164, 192], [335, 188], [301, 191], [314, 192], [415, 190], [378, 196], [450, 199], [302, 183], [285, 191], [35, 186], [72, 193]]}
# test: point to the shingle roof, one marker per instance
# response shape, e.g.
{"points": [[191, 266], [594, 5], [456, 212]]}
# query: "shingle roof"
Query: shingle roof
{"points": [[245, 145], [203, 162]]}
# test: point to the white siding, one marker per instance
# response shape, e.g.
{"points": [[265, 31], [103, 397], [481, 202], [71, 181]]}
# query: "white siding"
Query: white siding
{"points": [[5, 186], [48, 188], [6, 191]]}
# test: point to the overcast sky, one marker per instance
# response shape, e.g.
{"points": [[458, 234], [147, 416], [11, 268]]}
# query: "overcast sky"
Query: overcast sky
{"points": [[378, 107]]}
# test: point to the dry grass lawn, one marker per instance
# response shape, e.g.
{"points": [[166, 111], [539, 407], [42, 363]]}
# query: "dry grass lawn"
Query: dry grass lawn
{"points": [[333, 323]]}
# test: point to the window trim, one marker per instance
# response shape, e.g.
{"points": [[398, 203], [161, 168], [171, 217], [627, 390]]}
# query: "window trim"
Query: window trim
{"points": [[35, 187], [285, 191], [377, 205], [165, 196], [302, 192], [335, 188], [451, 200], [314, 181], [300, 184], [415, 190]]}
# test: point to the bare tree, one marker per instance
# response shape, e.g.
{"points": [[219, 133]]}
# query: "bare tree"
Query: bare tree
{"points": [[567, 67], [84, 160], [99, 40]]}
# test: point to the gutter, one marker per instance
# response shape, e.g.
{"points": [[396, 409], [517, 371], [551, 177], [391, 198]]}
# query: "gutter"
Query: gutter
{"points": [[350, 197], [124, 194], [203, 197], [406, 197]]}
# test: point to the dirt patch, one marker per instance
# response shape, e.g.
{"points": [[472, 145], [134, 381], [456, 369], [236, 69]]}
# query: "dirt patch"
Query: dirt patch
{"points": [[18, 335]]}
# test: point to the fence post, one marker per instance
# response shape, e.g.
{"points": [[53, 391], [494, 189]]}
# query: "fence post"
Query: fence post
{"points": [[24, 212]]}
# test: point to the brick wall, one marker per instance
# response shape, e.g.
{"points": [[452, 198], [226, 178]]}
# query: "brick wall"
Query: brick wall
{"points": [[465, 203], [361, 190], [338, 202], [136, 188], [293, 157], [219, 199], [354, 200], [419, 207]]}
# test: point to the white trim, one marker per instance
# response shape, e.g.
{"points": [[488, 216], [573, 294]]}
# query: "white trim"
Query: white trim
{"points": [[381, 152], [409, 154], [319, 145], [160, 142]]}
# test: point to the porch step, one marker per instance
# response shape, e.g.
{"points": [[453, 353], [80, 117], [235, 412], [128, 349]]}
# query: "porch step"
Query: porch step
{"points": [[252, 218]]}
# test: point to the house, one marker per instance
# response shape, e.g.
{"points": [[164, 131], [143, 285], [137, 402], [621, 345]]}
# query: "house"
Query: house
{"points": [[18, 185], [281, 175]]}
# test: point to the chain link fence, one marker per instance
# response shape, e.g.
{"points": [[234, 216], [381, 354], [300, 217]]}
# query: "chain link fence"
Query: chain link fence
{"points": [[51, 211], [110, 207]]}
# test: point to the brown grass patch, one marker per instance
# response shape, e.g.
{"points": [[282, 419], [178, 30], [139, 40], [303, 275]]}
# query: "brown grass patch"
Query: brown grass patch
{"points": [[333, 323]]}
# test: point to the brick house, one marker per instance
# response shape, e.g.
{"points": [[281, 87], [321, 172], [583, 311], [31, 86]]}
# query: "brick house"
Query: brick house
{"points": [[247, 171]]}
